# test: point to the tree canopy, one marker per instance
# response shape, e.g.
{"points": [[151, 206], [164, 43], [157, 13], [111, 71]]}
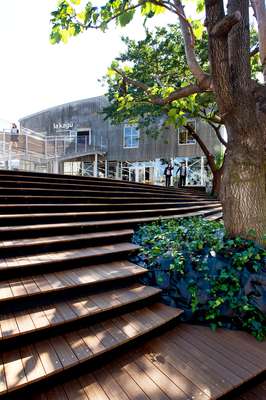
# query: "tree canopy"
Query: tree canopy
{"points": [[159, 61], [241, 100]]}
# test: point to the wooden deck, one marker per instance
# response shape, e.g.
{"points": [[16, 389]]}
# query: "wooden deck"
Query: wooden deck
{"points": [[70, 300], [35, 362], [186, 363]]}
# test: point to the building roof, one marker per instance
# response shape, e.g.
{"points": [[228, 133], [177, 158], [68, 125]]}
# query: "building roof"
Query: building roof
{"points": [[71, 103]]}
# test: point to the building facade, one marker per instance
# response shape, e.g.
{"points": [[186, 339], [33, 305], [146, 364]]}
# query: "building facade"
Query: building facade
{"points": [[79, 140]]}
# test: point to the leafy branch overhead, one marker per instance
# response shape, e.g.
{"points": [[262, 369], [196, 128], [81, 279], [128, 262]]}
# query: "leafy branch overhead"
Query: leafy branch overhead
{"points": [[75, 16], [68, 21], [156, 66], [241, 100], [158, 62]]}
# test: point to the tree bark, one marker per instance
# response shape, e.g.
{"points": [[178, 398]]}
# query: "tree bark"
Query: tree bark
{"points": [[203, 80], [243, 186], [243, 192], [216, 183]]}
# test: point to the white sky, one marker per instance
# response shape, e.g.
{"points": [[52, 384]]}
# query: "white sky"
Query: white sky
{"points": [[35, 74]]}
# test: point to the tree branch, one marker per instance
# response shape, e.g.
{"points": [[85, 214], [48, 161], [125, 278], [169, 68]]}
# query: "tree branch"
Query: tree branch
{"points": [[239, 50], [113, 17], [168, 5], [133, 82], [204, 148], [203, 79], [177, 94], [217, 130], [218, 55], [223, 27], [181, 93], [215, 119]]}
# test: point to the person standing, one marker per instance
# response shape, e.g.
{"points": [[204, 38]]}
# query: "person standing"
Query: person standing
{"points": [[168, 173], [14, 136], [182, 174]]}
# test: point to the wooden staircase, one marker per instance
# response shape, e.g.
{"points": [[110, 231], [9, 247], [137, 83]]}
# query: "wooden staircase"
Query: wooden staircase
{"points": [[68, 295]]}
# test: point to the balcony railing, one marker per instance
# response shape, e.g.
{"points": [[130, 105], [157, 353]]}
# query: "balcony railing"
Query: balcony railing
{"points": [[38, 145]]}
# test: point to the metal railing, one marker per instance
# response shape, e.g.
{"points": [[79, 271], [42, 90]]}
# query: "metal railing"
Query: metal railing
{"points": [[67, 146], [38, 145]]}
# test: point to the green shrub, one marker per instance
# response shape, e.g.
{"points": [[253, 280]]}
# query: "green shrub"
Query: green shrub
{"points": [[221, 281]]}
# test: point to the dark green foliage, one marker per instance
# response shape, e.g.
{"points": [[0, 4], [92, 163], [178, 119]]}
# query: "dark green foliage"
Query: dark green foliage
{"points": [[159, 61], [218, 280]]}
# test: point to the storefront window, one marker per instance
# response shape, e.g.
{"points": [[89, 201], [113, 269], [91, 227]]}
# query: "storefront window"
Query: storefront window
{"points": [[131, 137]]}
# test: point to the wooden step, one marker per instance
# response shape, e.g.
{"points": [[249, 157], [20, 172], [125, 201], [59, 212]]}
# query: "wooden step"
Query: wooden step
{"points": [[24, 199], [63, 259], [103, 192], [49, 218], [88, 180], [65, 193], [75, 227], [79, 207], [65, 280], [57, 178], [63, 241], [46, 358], [99, 185], [33, 320]]}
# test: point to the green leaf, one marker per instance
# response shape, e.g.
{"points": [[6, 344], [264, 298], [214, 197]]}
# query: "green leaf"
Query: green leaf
{"points": [[126, 17], [82, 16], [150, 9], [55, 36], [172, 112], [64, 35], [200, 6]]}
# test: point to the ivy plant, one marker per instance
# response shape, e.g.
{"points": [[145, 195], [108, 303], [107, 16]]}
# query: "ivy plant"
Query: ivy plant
{"points": [[218, 279]]}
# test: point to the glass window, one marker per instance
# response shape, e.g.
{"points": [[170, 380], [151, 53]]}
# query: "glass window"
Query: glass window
{"points": [[184, 137], [131, 137], [84, 136]]}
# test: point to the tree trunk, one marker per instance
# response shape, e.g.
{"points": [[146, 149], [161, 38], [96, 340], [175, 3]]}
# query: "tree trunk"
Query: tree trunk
{"points": [[243, 191], [216, 183]]}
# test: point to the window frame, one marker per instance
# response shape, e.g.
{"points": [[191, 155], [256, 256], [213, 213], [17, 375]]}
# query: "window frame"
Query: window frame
{"points": [[124, 136], [194, 140], [89, 135]]}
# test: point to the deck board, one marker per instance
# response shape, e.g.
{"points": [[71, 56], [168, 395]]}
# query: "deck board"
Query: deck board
{"points": [[65, 239], [31, 320], [53, 282], [217, 343], [60, 256], [130, 386], [144, 381], [165, 368], [67, 350], [92, 389], [224, 356]]}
